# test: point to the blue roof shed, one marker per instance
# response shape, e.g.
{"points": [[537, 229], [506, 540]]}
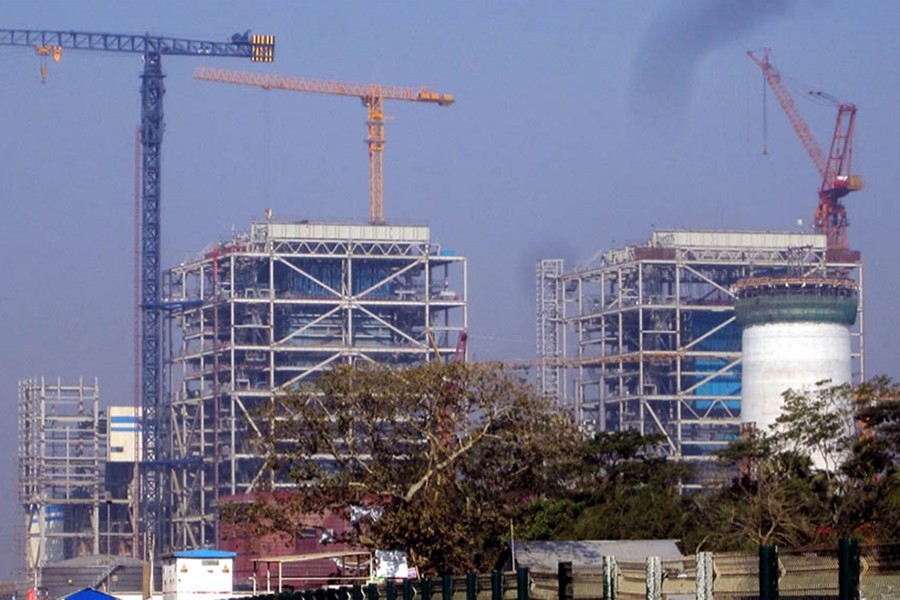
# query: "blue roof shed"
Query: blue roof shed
{"points": [[204, 553], [89, 594]]}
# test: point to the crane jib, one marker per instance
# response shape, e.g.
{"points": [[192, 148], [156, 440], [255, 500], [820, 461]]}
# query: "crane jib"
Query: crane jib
{"points": [[259, 48]]}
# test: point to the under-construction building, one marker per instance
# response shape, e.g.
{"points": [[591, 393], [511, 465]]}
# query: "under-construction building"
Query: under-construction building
{"points": [[262, 314], [75, 477], [646, 339]]}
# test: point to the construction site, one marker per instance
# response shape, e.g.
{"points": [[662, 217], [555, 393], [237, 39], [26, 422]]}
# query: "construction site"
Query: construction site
{"points": [[264, 313], [649, 337], [221, 335]]}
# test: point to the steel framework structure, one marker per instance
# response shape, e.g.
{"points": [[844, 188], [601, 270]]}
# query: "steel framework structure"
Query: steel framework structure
{"points": [[62, 450], [550, 329], [266, 312], [653, 342]]}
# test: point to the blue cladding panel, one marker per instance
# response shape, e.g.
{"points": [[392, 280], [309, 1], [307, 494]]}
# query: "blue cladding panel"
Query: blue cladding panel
{"points": [[298, 285], [727, 339], [366, 275]]}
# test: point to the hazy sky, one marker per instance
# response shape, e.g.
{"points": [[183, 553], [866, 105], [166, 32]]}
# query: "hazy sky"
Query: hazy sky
{"points": [[579, 126]]}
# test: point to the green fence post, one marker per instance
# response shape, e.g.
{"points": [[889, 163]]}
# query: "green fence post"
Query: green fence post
{"points": [[848, 569], [427, 589], [768, 573], [408, 591], [522, 581], [447, 587], [391, 590], [564, 581], [372, 592], [471, 586], [497, 585], [343, 593], [357, 592]]}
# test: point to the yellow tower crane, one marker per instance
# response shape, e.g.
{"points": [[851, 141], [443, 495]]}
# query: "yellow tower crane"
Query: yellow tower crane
{"points": [[372, 96]]}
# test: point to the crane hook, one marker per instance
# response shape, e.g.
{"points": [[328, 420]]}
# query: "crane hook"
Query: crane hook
{"points": [[44, 51]]}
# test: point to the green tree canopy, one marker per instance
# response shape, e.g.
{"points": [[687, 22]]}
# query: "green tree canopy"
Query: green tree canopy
{"points": [[827, 468], [626, 488], [445, 451]]}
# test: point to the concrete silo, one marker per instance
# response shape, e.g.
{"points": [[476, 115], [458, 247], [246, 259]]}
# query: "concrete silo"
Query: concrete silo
{"points": [[796, 333]]}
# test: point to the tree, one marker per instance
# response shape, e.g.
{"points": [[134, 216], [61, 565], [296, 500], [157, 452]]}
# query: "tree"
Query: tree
{"points": [[630, 513], [773, 500], [444, 451], [878, 410], [625, 488], [815, 475], [873, 499], [632, 459], [818, 422]]}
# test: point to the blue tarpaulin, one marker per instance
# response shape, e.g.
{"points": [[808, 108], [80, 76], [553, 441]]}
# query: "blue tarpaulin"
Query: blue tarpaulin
{"points": [[89, 594]]}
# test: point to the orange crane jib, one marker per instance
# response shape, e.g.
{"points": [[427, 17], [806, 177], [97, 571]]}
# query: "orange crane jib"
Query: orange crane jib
{"points": [[830, 217], [372, 96]]}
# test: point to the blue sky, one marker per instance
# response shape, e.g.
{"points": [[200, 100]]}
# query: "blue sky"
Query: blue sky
{"points": [[578, 126]]}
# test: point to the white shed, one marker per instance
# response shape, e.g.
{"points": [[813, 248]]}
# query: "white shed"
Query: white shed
{"points": [[195, 574]]}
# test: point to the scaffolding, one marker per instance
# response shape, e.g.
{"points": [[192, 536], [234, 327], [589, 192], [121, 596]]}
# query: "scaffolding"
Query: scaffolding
{"points": [[264, 313], [653, 344], [61, 456], [550, 332]]}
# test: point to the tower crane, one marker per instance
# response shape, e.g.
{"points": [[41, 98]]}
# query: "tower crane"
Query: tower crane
{"points": [[372, 96], [258, 48], [837, 179]]}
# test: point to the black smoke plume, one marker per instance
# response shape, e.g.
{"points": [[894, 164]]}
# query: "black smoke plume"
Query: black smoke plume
{"points": [[678, 40]]}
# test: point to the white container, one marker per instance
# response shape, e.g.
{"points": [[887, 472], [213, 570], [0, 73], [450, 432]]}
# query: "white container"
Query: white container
{"points": [[196, 574]]}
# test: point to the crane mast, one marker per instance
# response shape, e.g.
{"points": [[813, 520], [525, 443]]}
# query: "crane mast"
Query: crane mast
{"points": [[258, 48], [372, 96], [830, 217]]}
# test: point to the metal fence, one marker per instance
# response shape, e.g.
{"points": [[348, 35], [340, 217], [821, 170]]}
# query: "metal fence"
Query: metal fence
{"points": [[865, 573], [880, 572], [850, 572]]}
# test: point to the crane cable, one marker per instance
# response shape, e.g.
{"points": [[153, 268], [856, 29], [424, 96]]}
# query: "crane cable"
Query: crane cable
{"points": [[765, 126], [801, 90]]}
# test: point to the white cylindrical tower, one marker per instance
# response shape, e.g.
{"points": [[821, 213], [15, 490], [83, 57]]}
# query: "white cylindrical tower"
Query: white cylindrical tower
{"points": [[796, 334]]}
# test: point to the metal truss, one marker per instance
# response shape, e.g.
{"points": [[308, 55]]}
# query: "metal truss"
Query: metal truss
{"points": [[62, 451], [653, 344], [265, 313], [550, 330]]}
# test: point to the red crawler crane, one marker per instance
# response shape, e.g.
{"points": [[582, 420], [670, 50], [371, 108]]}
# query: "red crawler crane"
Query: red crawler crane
{"points": [[837, 181]]}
